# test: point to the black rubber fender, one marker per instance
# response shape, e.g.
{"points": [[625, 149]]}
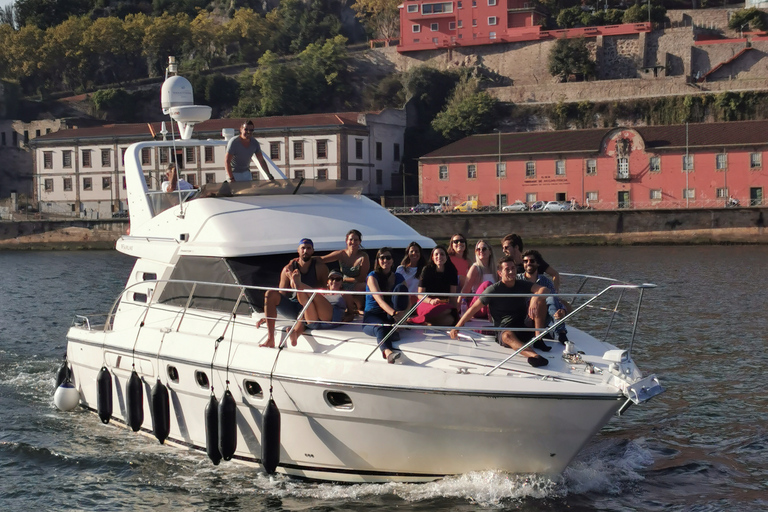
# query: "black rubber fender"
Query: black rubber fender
{"points": [[212, 430], [161, 411], [104, 395], [270, 437], [227, 426], [134, 397]]}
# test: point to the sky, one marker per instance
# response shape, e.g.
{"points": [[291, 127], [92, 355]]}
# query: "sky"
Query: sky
{"points": [[3, 3]]}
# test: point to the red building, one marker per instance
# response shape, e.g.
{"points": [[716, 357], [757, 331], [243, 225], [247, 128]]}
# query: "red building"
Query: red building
{"points": [[427, 24], [699, 165]]}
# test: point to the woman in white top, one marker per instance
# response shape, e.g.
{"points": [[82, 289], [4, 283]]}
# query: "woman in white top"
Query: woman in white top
{"points": [[410, 268], [326, 311], [481, 274]]}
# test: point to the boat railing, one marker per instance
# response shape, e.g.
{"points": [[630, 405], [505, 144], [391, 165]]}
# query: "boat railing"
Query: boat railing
{"points": [[580, 300]]}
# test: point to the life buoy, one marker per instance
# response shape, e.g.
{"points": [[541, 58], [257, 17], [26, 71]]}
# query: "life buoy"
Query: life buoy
{"points": [[161, 418], [134, 397], [212, 431], [227, 426], [270, 437], [104, 395]]}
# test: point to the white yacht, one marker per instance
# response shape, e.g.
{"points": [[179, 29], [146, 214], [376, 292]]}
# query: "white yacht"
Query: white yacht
{"points": [[186, 324]]}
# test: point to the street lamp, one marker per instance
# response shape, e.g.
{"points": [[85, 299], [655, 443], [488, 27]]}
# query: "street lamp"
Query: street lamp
{"points": [[498, 169]]}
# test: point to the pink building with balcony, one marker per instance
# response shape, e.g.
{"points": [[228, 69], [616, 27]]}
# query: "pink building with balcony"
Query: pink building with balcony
{"points": [[700, 165]]}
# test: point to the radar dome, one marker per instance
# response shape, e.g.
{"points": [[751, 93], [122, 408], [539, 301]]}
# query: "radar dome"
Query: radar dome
{"points": [[176, 92]]}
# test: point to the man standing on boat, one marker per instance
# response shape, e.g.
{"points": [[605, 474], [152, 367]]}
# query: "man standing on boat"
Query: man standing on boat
{"points": [[512, 311], [240, 150], [314, 273]]}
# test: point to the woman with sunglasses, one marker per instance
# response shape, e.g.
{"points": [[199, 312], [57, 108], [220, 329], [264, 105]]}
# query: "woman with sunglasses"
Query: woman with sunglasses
{"points": [[481, 274], [382, 311], [439, 276], [326, 311], [457, 252]]}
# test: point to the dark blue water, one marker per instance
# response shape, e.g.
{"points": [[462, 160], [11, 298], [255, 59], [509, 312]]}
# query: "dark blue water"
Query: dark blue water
{"points": [[703, 445]]}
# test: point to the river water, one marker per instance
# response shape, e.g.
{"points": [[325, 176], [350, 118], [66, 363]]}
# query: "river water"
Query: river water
{"points": [[702, 445]]}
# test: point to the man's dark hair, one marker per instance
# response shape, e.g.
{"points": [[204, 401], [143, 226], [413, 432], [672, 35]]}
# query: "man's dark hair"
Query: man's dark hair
{"points": [[505, 259], [533, 252], [515, 240]]}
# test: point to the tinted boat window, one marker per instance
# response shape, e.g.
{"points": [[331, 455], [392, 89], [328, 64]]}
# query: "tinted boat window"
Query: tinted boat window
{"points": [[259, 271]]}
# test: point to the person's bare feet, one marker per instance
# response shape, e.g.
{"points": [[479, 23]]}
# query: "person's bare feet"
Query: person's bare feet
{"points": [[294, 337], [270, 343]]}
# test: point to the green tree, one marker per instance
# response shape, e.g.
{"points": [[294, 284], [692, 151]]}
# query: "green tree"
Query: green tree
{"points": [[428, 89], [294, 25], [276, 85], [164, 36], [571, 17], [248, 33], [639, 14], [321, 73], [381, 17], [468, 111], [571, 58], [49, 13], [753, 17]]}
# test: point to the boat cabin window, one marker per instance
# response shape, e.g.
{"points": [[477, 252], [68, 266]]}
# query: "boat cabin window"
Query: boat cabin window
{"points": [[149, 276], [260, 271], [139, 297]]}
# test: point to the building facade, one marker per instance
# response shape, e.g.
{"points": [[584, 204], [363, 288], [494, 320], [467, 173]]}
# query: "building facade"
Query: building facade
{"points": [[81, 171], [681, 166], [16, 156]]}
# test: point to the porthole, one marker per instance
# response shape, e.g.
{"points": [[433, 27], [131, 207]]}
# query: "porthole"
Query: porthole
{"points": [[140, 297], [339, 400], [254, 389], [202, 379], [173, 374], [149, 276]]}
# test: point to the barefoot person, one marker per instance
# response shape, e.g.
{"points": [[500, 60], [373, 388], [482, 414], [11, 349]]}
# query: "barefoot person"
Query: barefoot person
{"points": [[325, 311], [512, 311], [312, 272]]}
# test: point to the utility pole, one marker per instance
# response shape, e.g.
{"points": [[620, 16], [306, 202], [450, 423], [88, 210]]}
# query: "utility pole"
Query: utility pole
{"points": [[498, 170]]}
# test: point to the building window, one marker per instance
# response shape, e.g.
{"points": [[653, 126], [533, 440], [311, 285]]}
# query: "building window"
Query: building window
{"points": [[148, 181], [501, 200], [49, 184], [379, 176], [122, 156], [623, 168], [47, 159], [530, 169], [298, 174], [655, 164], [190, 155], [298, 150], [162, 155], [415, 29], [461, 25], [721, 161], [492, 35], [655, 194], [433, 27], [396, 151], [722, 193], [322, 174], [434, 40], [501, 170], [442, 172], [530, 197], [87, 184], [471, 171], [755, 160], [106, 183], [66, 158], [379, 150], [322, 149], [26, 136], [210, 177], [105, 159], [145, 159], [451, 25], [359, 174], [191, 179], [359, 149], [444, 200], [492, 20], [67, 184], [689, 193], [474, 24], [472, 198], [687, 162], [458, 4], [209, 154], [491, 2], [437, 8], [413, 8], [474, 3], [560, 168], [86, 153], [15, 137], [591, 197], [274, 150]]}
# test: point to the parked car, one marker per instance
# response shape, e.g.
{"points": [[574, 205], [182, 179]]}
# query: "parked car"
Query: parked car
{"points": [[467, 206], [425, 208], [554, 206], [538, 205], [517, 206]]}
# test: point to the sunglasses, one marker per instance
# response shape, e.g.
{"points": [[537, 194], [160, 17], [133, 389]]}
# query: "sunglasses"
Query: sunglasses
{"points": [[530, 262], [248, 131], [456, 242], [335, 279], [385, 257], [481, 249]]}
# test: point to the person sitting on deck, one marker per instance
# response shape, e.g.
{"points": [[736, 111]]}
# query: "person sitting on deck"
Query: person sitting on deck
{"points": [[481, 274], [411, 267], [512, 312], [512, 245], [556, 309], [354, 264], [312, 271], [439, 276], [173, 182]]}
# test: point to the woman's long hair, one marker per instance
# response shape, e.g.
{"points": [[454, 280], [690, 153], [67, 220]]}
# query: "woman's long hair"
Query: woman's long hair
{"points": [[377, 266], [407, 259], [491, 260]]}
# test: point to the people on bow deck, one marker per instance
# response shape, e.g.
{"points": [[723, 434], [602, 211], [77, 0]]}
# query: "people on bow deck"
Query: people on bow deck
{"points": [[512, 245], [481, 274], [354, 264], [324, 311], [411, 267], [457, 251], [240, 149], [556, 309], [312, 273], [173, 182], [383, 311], [439, 276], [512, 312]]}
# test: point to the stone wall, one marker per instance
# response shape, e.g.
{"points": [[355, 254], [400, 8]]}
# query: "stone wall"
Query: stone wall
{"points": [[60, 234], [621, 57]]}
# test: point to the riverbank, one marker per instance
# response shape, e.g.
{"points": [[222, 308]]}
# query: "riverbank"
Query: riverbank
{"points": [[625, 227]]}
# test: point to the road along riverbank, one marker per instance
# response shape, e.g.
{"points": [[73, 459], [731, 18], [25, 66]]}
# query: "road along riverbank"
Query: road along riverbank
{"points": [[584, 227]]}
